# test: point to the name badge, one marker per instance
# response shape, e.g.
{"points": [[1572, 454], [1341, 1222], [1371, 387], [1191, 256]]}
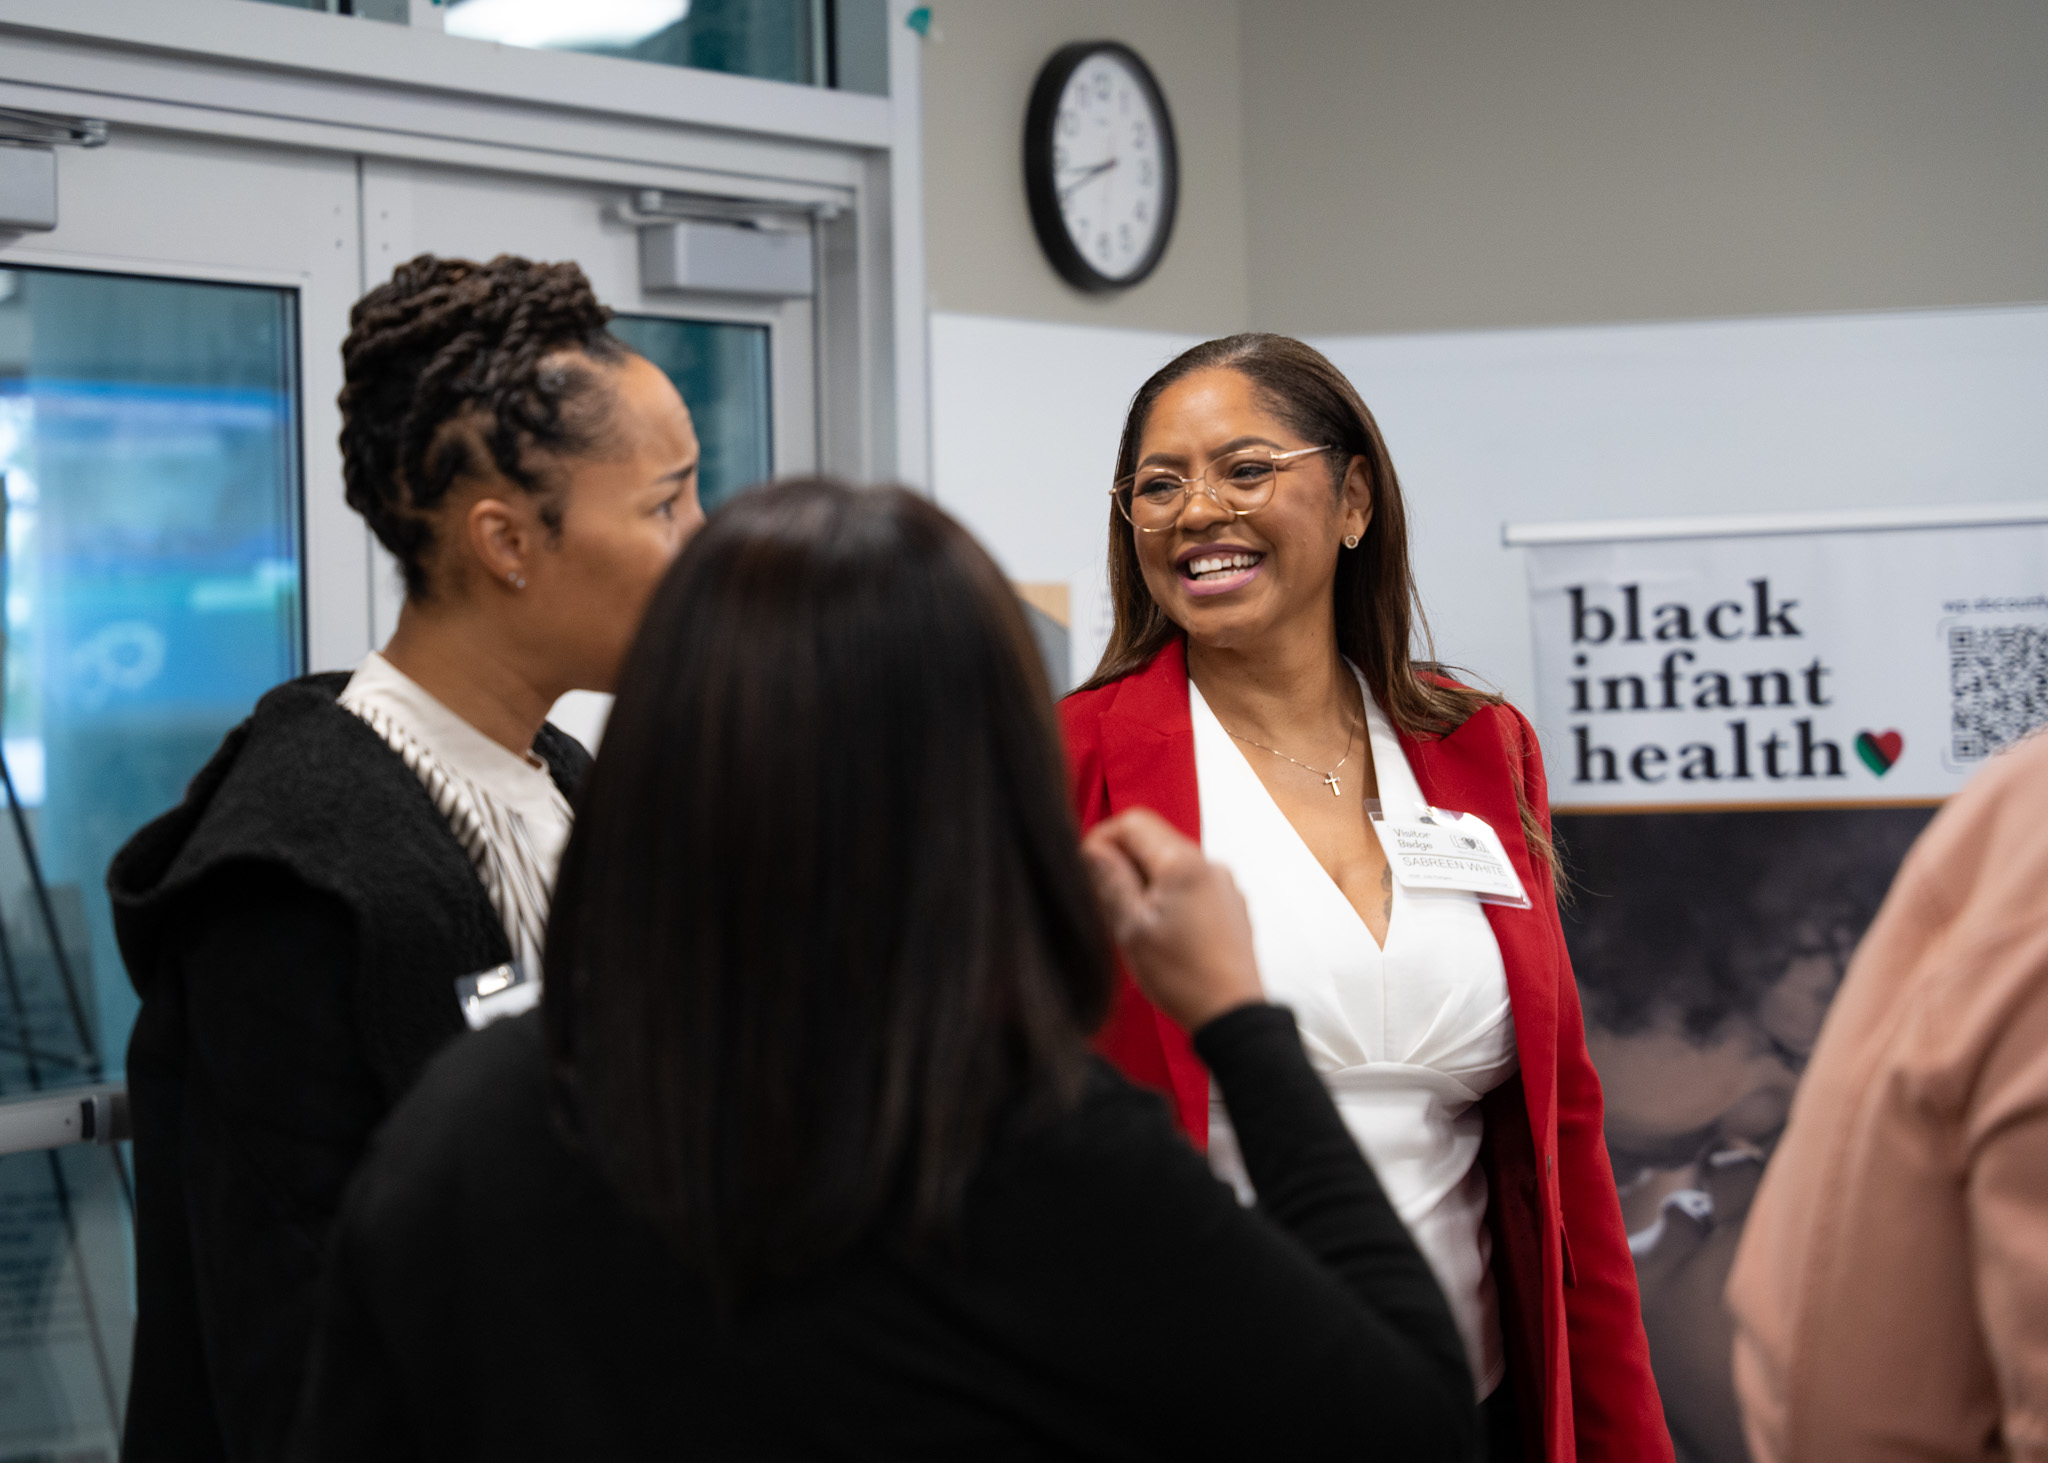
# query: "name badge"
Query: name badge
{"points": [[492, 995], [1458, 852]]}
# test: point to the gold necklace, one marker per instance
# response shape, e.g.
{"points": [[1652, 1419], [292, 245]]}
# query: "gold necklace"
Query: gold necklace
{"points": [[1330, 778]]}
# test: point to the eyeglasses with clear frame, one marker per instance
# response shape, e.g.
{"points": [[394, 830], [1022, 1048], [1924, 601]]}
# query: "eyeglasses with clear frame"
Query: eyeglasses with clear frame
{"points": [[1153, 498]]}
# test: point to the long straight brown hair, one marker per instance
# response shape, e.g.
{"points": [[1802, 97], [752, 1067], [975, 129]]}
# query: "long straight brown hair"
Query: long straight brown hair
{"points": [[1378, 612]]}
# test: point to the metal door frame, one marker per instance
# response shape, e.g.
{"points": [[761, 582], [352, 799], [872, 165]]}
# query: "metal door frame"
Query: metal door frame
{"points": [[334, 552], [229, 70]]}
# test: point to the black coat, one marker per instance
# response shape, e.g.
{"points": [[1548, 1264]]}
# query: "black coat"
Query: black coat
{"points": [[489, 1298], [295, 928]]}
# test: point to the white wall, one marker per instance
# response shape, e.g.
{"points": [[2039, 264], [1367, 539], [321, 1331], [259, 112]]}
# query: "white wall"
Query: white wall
{"points": [[1488, 428], [1657, 421], [1025, 417], [1382, 165]]}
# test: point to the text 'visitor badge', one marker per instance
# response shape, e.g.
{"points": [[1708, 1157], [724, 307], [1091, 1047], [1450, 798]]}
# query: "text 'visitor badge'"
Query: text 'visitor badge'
{"points": [[1436, 849]]}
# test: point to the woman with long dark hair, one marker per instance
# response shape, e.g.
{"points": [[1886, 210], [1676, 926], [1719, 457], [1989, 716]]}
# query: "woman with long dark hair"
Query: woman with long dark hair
{"points": [[804, 1154], [1259, 690], [366, 861]]}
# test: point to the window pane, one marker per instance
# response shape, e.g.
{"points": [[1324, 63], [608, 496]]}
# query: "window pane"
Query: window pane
{"points": [[398, 11], [722, 371], [150, 517], [782, 40], [149, 445], [66, 1326], [840, 43]]}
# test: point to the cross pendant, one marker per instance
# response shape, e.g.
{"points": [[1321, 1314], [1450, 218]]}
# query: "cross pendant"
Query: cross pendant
{"points": [[1330, 781]]}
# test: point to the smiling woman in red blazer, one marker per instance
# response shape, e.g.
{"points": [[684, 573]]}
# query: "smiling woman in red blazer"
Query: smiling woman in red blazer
{"points": [[1258, 691]]}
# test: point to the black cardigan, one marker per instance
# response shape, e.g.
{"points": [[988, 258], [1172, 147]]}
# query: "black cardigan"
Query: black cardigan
{"points": [[294, 928], [1105, 1297]]}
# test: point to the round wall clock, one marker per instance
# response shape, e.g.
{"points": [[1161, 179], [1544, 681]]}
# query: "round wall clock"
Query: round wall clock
{"points": [[1100, 168]]}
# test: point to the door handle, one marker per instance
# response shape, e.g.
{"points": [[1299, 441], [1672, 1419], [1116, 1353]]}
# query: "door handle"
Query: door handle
{"points": [[56, 1119]]}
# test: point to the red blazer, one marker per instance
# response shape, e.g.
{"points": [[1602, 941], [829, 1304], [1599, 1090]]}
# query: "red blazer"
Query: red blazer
{"points": [[1569, 1313]]}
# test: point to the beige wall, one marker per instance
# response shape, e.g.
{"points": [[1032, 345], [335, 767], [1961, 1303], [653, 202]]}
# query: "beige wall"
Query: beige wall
{"points": [[1441, 164], [978, 69], [1493, 162]]}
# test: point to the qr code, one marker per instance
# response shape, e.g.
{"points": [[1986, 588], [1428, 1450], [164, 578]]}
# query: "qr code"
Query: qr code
{"points": [[1998, 684]]}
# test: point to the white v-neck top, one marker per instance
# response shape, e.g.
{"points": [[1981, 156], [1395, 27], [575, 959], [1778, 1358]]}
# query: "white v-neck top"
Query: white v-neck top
{"points": [[1407, 1039]]}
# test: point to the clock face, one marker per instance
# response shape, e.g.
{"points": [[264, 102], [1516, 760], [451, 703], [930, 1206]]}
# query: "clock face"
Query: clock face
{"points": [[1100, 166]]}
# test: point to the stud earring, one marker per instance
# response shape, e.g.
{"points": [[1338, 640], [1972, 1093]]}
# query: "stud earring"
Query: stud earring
{"points": [[1350, 540], [518, 580]]}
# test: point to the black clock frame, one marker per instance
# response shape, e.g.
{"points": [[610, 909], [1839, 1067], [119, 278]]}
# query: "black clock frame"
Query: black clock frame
{"points": [[1041, 182]]}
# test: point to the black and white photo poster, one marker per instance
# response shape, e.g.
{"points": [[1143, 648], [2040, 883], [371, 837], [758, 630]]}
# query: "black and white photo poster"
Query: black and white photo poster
{"points": [[1745, 725]]}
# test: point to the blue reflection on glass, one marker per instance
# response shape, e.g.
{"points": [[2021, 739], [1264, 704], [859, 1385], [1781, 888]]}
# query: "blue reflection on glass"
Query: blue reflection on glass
{"points": [[721, 369], [149, 443]]}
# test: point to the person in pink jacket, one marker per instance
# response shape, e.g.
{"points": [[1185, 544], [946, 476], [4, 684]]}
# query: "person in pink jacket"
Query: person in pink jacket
{"points": [[1890, 1296]]}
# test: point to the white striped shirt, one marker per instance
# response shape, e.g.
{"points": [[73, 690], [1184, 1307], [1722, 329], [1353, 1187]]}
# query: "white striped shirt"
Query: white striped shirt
{"points": [[504, 809]]}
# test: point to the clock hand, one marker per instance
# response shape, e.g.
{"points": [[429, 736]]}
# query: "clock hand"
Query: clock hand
{"points": [[1088, 176]]}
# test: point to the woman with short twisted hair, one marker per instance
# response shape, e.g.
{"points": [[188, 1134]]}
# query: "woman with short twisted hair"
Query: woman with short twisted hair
{"points": [[368, 860]]}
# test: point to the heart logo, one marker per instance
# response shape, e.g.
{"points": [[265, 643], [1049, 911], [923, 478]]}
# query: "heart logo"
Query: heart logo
{"points": [[1879, 751]]}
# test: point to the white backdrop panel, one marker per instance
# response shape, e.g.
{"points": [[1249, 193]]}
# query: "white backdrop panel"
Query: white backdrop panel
{"points": [[1712, 417], [1025, 418]]}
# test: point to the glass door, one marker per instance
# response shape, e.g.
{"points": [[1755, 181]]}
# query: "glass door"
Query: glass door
{"points": [[744, 364], [149, 445], [173, 542], [149, 453], [721, 369], [160, 417]]}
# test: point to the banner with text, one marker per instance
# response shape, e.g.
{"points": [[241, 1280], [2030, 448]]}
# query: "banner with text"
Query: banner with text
{"points": [[1847, 666], [1744, 733]]}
